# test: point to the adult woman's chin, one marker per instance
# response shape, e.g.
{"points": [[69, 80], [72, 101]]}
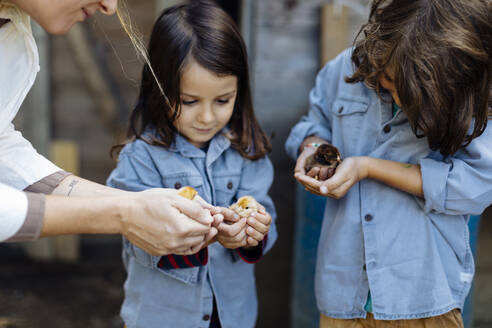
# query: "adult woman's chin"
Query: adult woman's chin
{"points": [[58, 28]]}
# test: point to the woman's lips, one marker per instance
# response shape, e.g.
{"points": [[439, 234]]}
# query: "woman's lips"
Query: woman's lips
{"points": [[86, 13]]}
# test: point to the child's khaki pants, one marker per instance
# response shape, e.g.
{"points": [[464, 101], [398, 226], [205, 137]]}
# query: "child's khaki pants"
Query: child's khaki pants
{"points": [[451, 319]]}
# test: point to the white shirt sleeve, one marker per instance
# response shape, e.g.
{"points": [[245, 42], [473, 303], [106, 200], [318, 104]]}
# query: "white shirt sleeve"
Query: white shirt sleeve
{"points": [[20, 164], [13, 211]]}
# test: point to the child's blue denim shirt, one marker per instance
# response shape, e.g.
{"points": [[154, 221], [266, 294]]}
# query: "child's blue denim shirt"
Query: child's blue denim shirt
{"points": [[412, 253], [183, 297]]}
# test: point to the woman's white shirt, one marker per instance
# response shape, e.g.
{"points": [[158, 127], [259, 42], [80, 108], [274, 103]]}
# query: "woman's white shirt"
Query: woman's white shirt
{"points": [[13, 211], [20, 164]]}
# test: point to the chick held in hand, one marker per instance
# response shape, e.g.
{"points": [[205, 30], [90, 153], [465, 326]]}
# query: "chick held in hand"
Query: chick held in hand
{"points": [[326, 158], [191, 194], [188, 192], [245, 206]]}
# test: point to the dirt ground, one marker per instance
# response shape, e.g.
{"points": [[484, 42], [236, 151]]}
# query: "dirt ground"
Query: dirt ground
{"points": [[86, 294]]}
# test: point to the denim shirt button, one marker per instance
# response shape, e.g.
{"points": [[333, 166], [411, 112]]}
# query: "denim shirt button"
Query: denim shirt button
{"points": [[340, 110], [177, 185], [364, 267], [230, 185], [206, 317], [387, 128], [368, 217]]}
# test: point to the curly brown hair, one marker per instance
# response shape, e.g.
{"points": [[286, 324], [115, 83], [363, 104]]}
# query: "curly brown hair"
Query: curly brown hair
{"points": [[196, 30], [441, 54]]}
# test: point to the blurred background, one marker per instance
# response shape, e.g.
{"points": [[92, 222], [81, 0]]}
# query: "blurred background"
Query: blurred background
{"points": [[78, 109]]}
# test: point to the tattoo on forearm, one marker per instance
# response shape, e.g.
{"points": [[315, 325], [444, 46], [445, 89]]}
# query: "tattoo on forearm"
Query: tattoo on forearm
{"points": [[407, 166], [71, 186]]}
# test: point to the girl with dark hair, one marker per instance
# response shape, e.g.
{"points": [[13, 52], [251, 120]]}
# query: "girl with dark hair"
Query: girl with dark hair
{"points": [[408, 109], [203, 133]]}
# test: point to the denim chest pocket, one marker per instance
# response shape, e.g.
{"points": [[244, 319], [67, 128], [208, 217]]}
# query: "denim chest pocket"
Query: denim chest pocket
{"points": [[186, 275], [226, 188], [179, 180], [348, 117]]}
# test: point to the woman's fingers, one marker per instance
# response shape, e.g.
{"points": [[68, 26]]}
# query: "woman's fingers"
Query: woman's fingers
{"points": [[211, 235], [218, 219], [186, 227], [213, 209], [193, 210]]}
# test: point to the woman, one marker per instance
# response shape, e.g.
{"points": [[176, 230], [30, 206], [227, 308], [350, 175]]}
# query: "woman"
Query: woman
{"points": [[159, 221]]}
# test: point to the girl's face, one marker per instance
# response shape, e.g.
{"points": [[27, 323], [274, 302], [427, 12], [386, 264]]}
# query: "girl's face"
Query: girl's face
{"points": [[387, 81], [207, 103], [58, 16]]}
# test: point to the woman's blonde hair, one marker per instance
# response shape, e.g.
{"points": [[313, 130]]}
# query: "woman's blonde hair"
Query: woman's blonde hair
{"points": [[137, 41]]}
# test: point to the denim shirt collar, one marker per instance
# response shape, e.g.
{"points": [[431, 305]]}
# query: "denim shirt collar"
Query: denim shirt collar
{"points": [[217, 146]]}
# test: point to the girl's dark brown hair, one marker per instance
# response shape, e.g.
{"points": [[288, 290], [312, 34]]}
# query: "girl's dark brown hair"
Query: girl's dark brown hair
{"points": [[440, 52], [197, 30]]}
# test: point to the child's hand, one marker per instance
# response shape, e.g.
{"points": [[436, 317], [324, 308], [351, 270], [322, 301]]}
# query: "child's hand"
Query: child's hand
{"points": [[348, 173], [229, 215], [258, 225], [301, 160], [233, 235]]}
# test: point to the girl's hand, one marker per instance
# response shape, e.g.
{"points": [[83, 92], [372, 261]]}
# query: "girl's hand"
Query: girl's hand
{"points": [[233, 235], [258, 227], [229, 215], [348, 173]]}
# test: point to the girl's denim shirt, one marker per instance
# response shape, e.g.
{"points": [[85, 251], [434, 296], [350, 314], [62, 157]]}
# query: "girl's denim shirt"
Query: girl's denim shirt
{"points": [[183, 297], [412, 253]]}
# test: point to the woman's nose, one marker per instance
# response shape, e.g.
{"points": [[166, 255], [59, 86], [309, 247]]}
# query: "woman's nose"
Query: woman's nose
{"points": [[108, 7]]}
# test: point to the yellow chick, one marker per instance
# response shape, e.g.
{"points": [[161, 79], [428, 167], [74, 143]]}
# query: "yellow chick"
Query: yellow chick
{"points": [[187, 192], [245, 206]]}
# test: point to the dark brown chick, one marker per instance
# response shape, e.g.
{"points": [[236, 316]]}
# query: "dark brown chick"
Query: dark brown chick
{"points": [[326, 156]]}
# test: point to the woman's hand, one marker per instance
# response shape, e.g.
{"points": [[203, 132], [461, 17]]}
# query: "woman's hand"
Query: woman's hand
{"points": [[348, 173], [258, 226], [161, 222]]}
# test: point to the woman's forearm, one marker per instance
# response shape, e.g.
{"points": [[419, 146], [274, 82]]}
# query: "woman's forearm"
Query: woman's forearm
{"points": [[80, 215], [402, 176], [79, 187], [159, 221]]}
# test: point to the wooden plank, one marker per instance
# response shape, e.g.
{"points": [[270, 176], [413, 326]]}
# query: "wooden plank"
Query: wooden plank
{"points": [[85, 57], [335, 22]]}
